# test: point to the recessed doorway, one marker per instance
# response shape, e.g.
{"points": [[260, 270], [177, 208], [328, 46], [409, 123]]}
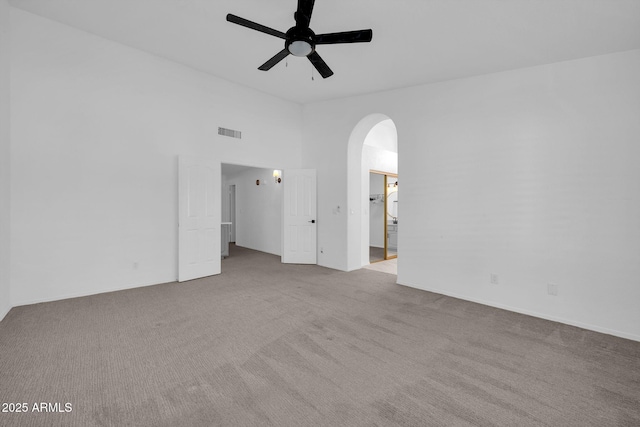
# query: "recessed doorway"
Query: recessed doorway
{"points": [[251, 208], [373, 145], [383, 216]]}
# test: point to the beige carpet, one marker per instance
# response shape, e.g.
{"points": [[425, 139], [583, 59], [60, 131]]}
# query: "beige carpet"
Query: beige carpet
{"points": [[389, 266], [266, 344]]}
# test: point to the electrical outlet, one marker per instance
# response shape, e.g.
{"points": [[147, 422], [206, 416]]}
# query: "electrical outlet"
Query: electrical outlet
{"points": [[552, 289], [493, 278], [135, 265]]}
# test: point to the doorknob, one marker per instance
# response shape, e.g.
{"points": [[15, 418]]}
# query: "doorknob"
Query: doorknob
{"points": [[313, 221]]}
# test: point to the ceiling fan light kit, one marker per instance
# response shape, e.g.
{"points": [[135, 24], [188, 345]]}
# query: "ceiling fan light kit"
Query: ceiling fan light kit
{"points": [[300, 48], [300, 40]]}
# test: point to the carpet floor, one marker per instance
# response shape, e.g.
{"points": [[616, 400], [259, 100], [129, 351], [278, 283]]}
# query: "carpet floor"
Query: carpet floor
{"points": [[389, 266], [266, 344]]}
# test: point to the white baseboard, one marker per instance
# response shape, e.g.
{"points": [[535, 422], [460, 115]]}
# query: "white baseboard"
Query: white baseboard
{"points": [[4, 311], [595, 328], [86, 294]]}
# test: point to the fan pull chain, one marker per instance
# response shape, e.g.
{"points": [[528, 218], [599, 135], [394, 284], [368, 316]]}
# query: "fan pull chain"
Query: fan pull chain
{"points": [[312, 79]]}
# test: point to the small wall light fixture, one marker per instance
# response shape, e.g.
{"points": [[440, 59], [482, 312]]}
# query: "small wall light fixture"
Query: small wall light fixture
{"points": [[277, 176]]}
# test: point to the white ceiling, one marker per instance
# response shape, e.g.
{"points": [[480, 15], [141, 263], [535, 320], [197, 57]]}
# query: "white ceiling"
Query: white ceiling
{"points": [[414, 41]]}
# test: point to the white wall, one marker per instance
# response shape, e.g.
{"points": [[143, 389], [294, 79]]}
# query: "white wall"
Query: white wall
{"points": [[374, 158], [384, 136], [530, 174], [5, 164], [97, 128], [258, 209]]}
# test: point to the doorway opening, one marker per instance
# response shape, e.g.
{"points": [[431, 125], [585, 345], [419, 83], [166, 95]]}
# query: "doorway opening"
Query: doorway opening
{"points": [[373, 146], [383, 216], [251, 210]]}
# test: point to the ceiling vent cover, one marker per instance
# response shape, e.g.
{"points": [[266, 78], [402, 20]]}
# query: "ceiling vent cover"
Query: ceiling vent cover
{"points": [[230, 132]]}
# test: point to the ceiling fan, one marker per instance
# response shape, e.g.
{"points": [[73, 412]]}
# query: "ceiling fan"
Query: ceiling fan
{"points": [[300, 40]]}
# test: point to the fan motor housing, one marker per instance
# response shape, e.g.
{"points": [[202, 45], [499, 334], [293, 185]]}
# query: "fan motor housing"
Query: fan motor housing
{"points": [[300, 42]]}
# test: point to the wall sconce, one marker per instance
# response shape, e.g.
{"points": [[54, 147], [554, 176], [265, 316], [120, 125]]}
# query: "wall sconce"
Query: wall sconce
{"points": [[276, 176]]}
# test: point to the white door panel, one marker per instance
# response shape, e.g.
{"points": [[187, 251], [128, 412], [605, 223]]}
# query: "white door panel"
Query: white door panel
{"points": [[300, 232], [198, 218]]}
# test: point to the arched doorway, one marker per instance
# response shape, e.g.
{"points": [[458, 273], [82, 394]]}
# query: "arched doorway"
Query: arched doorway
{"points": [[358, 191]]}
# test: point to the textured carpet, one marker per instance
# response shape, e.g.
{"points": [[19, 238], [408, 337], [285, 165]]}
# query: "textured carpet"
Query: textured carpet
{"points": [[267, 344], [389, 266]]}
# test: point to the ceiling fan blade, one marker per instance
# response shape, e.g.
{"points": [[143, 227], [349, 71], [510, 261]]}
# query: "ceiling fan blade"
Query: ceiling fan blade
{"points": [[360, 36], [320, 65], [273, 61], [255, 26], [303, 14]]}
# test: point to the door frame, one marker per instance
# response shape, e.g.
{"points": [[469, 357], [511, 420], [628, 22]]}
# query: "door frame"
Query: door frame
{"points": [[232, 210], [386, 212]]}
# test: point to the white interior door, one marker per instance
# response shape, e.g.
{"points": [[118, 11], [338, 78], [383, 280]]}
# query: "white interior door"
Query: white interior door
{"points": [[199, 218], [299, 217]]}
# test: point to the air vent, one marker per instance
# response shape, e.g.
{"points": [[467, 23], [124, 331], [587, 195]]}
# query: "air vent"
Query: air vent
{"points": [[230, 132]]}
